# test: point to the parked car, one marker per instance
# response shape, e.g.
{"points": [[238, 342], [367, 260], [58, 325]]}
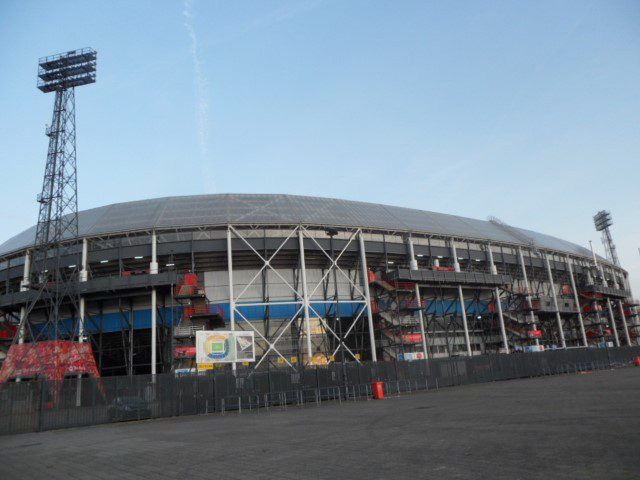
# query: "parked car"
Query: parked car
{"points": [[128, 408]]}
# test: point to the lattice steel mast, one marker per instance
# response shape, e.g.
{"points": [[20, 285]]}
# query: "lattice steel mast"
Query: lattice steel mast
{"points": [[603, 221], [55, 286]]}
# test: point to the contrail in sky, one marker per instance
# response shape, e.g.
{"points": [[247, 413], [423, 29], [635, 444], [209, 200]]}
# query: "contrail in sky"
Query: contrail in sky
{"points": [[202, 98]]}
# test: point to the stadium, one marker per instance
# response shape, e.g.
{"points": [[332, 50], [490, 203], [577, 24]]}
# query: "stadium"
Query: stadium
{"points": [[317, 281]]}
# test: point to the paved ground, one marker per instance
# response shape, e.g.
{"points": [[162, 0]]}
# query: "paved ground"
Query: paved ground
{"points": [[574, 426]]}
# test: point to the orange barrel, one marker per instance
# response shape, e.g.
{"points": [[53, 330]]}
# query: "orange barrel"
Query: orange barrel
{"points": [[637, 361], [378, 390]]}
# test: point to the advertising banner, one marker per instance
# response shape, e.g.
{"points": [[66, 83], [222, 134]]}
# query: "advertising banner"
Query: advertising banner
{"points": [[410, 356], [224, 347]]}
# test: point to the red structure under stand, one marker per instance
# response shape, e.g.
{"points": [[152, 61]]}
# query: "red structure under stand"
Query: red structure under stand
{"points": [[52, 360]]}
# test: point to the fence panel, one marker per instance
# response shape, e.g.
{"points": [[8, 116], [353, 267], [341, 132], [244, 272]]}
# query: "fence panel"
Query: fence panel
{"points": [[41, 405]]}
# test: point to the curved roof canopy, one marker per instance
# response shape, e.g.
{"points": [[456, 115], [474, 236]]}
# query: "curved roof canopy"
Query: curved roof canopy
{"points": [[223, 209]]}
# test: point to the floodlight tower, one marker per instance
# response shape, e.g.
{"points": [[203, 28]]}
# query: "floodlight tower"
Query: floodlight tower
{"points": [[603, 221], [54, 286]]}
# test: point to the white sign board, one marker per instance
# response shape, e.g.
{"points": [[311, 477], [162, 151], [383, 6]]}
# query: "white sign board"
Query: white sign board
{"points": [[224, 347]]}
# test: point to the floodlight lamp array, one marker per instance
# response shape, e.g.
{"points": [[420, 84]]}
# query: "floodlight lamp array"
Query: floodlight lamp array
{"points": [[602, 220], [67, 70]]}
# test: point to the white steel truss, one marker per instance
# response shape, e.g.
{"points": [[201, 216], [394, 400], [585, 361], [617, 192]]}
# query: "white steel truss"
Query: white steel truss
{"points": [[302, 294], [266, 265], [363, 300]]}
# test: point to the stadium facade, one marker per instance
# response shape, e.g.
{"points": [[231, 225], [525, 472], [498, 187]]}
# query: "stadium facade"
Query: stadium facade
{"points": [[319, 281]]}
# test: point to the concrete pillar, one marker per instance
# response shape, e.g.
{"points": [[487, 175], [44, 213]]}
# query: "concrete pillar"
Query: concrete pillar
{"points": [[84, 263], [24, 286], [153, 266], [413, 263], [83, 278], [492, 266], [305, 296], [367, 297], [555, 302], [494, 271], [454, 255], [576, 299]]}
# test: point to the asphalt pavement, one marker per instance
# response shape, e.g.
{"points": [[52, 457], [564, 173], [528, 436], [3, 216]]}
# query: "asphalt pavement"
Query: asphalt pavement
{"points": [[578, 426]]}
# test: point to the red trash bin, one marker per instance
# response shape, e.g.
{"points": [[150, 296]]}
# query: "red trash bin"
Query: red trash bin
{"points": [[378, 390], [637, 361]]}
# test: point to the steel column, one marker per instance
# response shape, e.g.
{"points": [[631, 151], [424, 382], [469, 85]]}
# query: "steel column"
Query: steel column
{"points": [[606, 284], [622, 316], [463, 308], [154, 319], [413, 263], [81, 312], [624, 323], [528, 287], [305, 294], [503, 330], [555, 302], [613, 322], [464, 320], [367, 296], [153, 269], [421, 317], [576, 299], [232, 303]]}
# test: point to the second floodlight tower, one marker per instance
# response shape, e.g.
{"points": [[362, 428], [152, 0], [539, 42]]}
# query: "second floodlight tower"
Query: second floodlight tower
{"points": [[602, 221]]}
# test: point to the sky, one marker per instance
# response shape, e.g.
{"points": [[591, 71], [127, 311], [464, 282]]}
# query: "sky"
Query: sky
{"points": [[526, 111]]}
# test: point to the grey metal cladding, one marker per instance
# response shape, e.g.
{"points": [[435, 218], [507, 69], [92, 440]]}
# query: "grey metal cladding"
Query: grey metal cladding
{"points": [[222, 209]]}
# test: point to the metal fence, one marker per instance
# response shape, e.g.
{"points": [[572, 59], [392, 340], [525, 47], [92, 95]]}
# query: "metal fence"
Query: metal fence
{"points": [[40, 405]]}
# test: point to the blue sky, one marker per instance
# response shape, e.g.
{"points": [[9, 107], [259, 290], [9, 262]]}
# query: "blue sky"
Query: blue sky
{"points": [[527, 111]]}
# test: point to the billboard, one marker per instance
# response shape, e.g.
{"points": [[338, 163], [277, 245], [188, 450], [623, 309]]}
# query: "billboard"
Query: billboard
{"points": [[224, 347]]}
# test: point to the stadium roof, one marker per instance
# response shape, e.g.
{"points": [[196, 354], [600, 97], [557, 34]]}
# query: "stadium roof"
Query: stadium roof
{"points": [[237, 209]]}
